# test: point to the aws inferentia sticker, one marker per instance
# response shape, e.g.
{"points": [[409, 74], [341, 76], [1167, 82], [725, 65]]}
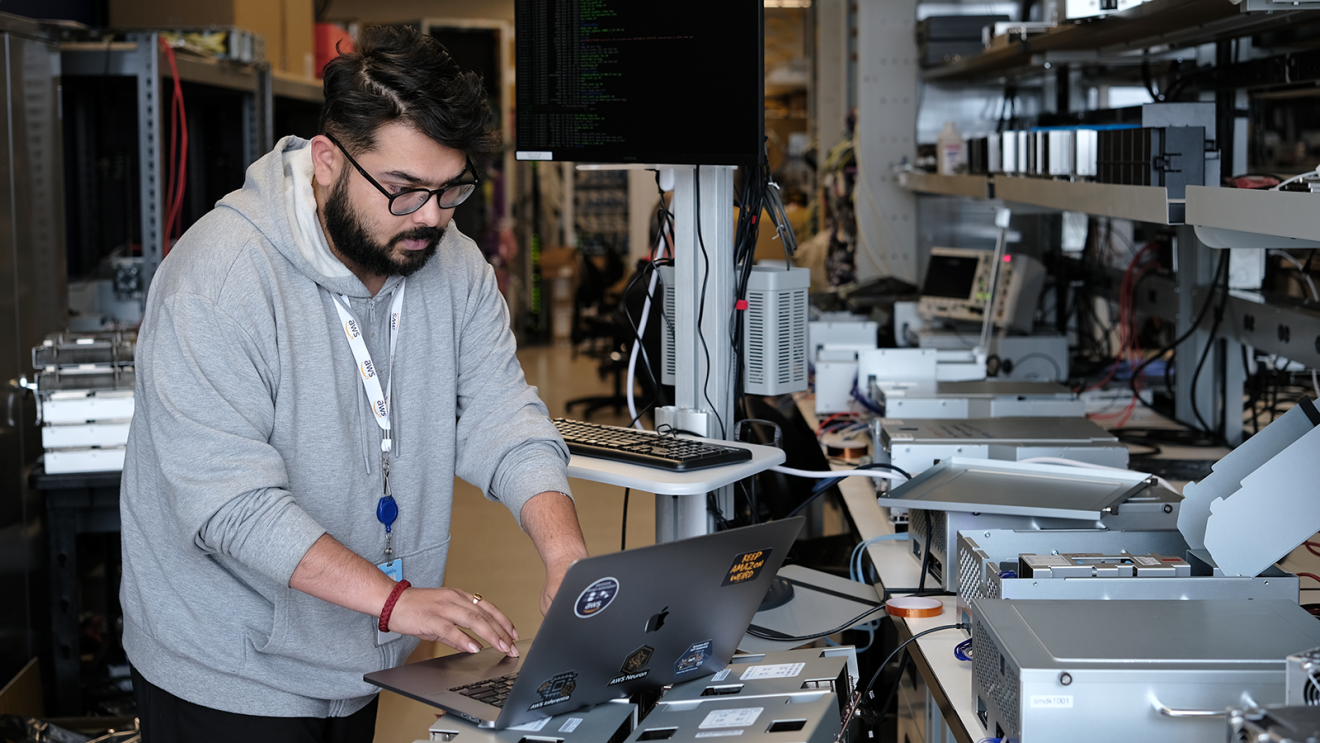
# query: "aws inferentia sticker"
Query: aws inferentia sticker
{"points": [[556, 690], [746, 567], [596, 597]]}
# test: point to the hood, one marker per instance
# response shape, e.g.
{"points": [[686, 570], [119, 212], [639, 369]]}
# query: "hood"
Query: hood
{"points": [[273, 198]]}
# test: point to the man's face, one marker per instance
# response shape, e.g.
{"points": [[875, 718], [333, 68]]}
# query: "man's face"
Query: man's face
{"points": [[357, 217]]}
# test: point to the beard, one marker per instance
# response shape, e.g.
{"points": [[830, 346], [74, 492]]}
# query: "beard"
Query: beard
{"points": [[348, 234]]}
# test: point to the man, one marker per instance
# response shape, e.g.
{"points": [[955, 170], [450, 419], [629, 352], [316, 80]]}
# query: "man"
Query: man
{"points": [[320, 356]]}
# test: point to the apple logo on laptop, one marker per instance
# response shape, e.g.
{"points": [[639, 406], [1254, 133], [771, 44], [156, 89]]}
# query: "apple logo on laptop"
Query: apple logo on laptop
{"points": [[657, 621]]}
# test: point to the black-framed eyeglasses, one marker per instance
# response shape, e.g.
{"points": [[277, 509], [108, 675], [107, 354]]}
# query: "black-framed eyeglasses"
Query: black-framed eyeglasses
{"points": [[410, 200]]}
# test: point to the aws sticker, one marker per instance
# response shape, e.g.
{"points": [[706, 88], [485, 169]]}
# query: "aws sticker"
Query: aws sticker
{"points": [[556, 690], [746, 567], [633, 665], [693, 657], [596, 597]]}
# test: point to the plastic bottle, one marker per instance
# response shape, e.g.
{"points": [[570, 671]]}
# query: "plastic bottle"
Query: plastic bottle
{"points": [[949, 149]]}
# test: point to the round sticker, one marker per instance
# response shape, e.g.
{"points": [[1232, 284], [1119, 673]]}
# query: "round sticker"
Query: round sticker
{"points": [[596, 597]]}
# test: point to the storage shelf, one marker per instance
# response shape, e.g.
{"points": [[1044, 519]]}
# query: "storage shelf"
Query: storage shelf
{"points": [[297, 88], [1153, 23], [975, 186], [1138, 203], [1278, 213]]}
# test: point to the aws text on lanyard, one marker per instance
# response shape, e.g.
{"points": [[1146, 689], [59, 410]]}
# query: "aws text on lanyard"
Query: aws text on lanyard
{"points": [[386, 509]]}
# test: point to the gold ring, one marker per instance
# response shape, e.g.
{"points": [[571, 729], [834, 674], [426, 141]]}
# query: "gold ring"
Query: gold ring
{"points": [[476, 598]]}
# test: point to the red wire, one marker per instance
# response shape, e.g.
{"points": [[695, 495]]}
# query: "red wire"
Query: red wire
{"points": [[1312, 576], [1311, 547], [178, 154]]}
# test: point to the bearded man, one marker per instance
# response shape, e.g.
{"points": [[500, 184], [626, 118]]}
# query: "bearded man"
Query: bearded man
{"points": [[321, 355]]}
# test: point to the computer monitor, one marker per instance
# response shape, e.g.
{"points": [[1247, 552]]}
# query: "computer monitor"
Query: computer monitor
{"points": [[620, 81]]}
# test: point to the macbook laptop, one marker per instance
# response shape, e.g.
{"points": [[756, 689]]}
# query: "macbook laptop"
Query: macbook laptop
{"points": [[621, 623]]}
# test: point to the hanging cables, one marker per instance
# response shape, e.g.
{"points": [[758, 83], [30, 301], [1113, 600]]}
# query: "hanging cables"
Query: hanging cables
{"points": [[664, 244], [176, 178]]}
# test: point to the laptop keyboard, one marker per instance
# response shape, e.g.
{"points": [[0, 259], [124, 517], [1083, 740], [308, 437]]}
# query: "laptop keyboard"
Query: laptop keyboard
{"points": [[491, 691]]}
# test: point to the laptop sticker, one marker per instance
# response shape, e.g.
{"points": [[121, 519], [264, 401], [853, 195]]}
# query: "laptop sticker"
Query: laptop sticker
{"points": [[746, 567], [556, 690], [596, 597], [633, 665], [693, 658]]}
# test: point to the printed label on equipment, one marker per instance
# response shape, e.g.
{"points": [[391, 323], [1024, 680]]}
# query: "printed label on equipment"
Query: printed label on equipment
{"points": [[570, 725], [556, 690], [1145, 560], [746, 567], [693, 658], [731, 718], [533, 726], [778, 671], [718, 734], [1046, 561], [1051, 701], [720, 676], [596, 597]]}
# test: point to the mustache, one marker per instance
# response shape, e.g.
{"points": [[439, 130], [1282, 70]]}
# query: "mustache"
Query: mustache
{"points": [[431, 235]]}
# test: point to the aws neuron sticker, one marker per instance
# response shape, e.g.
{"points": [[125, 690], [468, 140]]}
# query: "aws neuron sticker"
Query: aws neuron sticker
{"points": [[556, 690], [693, 658], [596, 597], [634, 666], [746, 567]]}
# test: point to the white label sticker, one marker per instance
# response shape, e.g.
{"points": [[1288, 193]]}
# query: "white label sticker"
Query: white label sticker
{"points": [[1145, 560], [533, 726], [1051, 701], [720, 676], [778, 671], [731, 718], [718, 734], [570, 725]]}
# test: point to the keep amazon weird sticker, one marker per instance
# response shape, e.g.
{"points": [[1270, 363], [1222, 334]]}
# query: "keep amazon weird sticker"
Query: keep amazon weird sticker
{"points": [[746, 567]]}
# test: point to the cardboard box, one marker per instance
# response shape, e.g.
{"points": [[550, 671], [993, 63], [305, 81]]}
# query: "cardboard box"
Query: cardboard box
{"points": [[286, 25]]}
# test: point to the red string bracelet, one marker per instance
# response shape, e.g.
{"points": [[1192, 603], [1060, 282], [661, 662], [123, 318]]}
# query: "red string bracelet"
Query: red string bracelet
{"points": [[388, 609]]}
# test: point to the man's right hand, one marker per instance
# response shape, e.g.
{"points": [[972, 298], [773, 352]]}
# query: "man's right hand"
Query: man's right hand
{"points": [[441, 614], [332, 572]]}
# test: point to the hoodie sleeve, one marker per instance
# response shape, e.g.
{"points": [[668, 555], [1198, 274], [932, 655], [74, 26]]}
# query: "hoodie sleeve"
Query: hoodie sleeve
{"points": [[507, 445], [206, 394]]}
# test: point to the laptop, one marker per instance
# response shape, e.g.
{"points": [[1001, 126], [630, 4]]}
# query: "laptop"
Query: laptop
{"points": [[620, 624]]}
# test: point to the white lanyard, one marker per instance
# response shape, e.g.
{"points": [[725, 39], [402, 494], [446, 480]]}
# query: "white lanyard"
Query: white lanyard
{"points": [[380, 400]]}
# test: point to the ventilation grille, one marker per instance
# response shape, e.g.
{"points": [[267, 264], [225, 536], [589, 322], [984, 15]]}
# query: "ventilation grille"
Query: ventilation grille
{"points": [[756, 342], [775, 332], [996, 680], [971, 574], [668, 355]]}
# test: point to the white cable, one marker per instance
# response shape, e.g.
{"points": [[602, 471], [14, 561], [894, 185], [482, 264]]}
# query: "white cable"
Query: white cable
{"points": [[1300, 268], [1075, 463], [1295, 178], [641, 333], [879, 474]]}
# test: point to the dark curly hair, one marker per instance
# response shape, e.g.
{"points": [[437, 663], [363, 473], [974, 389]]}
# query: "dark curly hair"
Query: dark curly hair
{"points": [[398, 74]]}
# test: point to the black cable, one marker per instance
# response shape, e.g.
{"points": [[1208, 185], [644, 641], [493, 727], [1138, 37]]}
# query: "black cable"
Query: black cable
{"points": [[852, 708], [925, 555], [824, 485], [1205, 354], [623, 537], [701, 303], [769, 634], [1221, 271]]}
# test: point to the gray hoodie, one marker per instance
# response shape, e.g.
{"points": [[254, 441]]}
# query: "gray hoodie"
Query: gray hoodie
{"points": [[252, 437]]}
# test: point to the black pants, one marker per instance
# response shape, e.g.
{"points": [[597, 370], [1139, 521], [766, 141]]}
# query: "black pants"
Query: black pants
{"points": [[166, 718]]}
